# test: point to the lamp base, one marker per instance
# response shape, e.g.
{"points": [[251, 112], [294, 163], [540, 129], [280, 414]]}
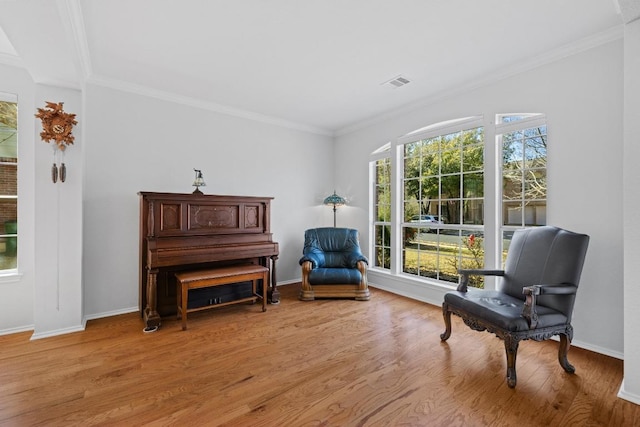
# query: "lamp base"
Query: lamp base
{"points": [[197, 191]]}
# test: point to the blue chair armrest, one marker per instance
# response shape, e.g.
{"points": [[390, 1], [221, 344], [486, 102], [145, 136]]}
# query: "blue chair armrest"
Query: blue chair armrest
{"points": [[316, 259], [353, 258]]}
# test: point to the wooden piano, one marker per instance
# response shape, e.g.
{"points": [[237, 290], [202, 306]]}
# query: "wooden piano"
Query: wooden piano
{"points": [[181, 232]]}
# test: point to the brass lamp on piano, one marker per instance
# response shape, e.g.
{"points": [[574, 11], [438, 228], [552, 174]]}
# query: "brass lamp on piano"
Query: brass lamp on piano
{"points": [[198, 182]]}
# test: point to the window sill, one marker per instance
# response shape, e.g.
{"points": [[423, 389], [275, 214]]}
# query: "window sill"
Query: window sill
{"points": [[10, 277], [414, 279], [425, 290]]}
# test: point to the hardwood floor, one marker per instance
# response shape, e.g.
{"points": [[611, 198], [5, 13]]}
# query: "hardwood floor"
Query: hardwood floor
{"points": [[319, 363]]}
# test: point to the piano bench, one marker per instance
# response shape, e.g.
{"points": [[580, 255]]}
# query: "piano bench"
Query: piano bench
{"points": [[195, 279]]}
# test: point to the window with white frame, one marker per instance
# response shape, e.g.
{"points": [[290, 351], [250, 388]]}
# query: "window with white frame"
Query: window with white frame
{"points": [[523, 142], [444, 183], [443, 196], [8, 182], [381, 178]]}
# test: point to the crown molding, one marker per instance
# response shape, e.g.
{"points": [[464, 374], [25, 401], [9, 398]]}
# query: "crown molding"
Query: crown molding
{"points": [[64, 84], [12, 60], [629, 10], [16, 61], [551, 56], [72, 10], [205, 105]]}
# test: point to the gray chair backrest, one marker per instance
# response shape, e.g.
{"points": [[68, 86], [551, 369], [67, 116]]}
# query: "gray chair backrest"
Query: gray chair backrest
{"points": [[545, 256]]}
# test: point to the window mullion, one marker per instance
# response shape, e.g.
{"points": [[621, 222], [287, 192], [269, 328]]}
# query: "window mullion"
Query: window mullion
{"points": [[397, 199], [492, 198]]}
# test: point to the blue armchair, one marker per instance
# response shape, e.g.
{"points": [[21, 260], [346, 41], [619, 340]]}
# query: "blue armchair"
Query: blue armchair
{"points": [[333, 265]]}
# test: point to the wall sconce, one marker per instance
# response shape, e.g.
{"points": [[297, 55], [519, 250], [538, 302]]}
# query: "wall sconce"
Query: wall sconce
{"points": [[335, 201], [198, 182]]}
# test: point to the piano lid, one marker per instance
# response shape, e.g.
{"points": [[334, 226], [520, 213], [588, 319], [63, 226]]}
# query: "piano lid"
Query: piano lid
{"points": [[176, 214]]}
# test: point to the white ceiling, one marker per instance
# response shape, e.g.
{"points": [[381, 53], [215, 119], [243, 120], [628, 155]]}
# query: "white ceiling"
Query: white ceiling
{"points": [[317, 65]]}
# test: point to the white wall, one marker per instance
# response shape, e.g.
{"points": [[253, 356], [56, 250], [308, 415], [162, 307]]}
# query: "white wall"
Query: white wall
{"points": [[582, 97], [46, 296], [16, 293], [137, 143], [631, 183], [58, 291]]}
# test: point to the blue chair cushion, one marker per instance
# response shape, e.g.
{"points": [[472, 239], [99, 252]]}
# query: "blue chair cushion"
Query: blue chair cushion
{"points": [[329, 276]]}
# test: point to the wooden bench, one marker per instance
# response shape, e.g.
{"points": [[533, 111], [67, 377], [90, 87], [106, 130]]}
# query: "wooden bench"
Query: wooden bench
{"points": [[194, 279]]}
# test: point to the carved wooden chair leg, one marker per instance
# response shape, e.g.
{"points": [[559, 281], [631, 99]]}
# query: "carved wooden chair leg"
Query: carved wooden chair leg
{"points": [[511, 347], [447, 322], [565, 343]]}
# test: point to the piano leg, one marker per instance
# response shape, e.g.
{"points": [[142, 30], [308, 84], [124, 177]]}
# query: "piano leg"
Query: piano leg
{"points": [[274, 293], [151, 315]]}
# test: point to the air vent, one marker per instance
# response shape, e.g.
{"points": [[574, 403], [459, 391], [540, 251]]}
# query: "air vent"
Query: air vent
{"points": [[397, 82]]}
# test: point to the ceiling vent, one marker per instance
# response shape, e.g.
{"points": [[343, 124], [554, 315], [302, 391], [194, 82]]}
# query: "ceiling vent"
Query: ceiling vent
{"points": [[397, 82]]}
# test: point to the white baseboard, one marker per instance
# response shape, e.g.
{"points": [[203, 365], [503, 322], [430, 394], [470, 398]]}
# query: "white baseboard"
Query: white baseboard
{"points": [[47, 334], [110, 313], [631, 397], [16, 330], [597, 349], [289, 282]]}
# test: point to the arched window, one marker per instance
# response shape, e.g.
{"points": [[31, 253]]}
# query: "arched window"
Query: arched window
{"points": [[431, 186]]}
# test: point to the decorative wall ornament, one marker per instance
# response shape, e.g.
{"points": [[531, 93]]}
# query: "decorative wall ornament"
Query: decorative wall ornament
{"points": [[57, 126]]}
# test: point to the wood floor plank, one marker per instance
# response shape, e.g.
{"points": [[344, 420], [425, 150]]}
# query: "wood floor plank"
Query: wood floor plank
{"points": [[324, 362]]}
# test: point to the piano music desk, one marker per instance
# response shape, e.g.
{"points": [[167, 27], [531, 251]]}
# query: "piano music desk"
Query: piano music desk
{"points": [[220, 276]]}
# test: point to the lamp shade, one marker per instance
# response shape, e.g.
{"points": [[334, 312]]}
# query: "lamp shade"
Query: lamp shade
{"points": [[334, 200]]}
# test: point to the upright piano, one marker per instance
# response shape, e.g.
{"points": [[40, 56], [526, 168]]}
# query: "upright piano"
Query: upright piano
{"points": [[195, 231]]}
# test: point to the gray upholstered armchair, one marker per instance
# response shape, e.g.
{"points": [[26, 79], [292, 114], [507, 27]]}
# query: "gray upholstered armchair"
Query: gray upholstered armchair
{"points": [[333, 265], [535, 296]]}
